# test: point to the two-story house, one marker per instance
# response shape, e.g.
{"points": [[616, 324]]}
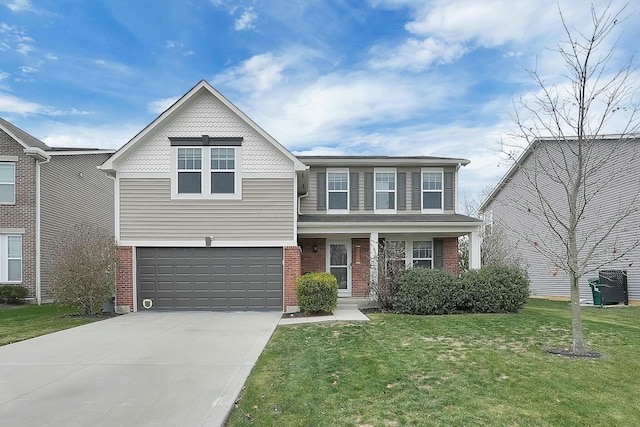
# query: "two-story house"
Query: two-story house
{"points": [[43, 192], [211, 212]]}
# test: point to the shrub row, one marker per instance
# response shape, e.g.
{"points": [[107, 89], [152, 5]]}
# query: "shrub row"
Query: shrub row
{"points": [[13, 294], [488, 290], [317, 293]]}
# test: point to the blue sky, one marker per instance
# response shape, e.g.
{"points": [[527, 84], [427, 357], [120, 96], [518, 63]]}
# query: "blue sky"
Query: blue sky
{"points": [[377, 77]]}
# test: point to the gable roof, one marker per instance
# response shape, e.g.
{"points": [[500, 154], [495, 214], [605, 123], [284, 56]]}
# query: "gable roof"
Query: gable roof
{"points": [[530, 149], [22, 137], [202, 86]]}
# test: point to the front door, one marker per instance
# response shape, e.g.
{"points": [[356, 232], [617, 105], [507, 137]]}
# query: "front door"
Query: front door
{"points": [[339, 255]]}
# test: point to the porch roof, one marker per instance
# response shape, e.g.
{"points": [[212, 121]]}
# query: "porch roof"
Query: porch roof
{"points": [[388, 218]]}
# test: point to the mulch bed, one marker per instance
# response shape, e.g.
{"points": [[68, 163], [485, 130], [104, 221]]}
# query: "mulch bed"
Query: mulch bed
{"points": [[568, 353], [97, 316], [301, 314]]}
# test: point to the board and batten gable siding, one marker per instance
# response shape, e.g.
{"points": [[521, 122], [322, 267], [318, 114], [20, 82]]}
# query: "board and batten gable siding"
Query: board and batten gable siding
{"points": [[266, 212], [203, 115], [546, 278], [72, 191], [309, 204]]}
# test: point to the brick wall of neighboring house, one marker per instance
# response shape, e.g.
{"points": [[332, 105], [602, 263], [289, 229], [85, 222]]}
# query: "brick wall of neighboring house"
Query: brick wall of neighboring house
{"points": [[23, 213], [314, 261], [360, 267], [124, 280], [292, 270], [451, 255]]}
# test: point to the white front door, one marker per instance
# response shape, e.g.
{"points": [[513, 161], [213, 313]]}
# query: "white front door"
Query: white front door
{"points": [[339, 264]]}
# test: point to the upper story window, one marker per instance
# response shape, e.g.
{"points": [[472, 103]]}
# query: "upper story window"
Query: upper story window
{"points": [[7, 183], [338, 190], [385, 190], [423, 254], [206, 168], [432, 193], [10, 258]]}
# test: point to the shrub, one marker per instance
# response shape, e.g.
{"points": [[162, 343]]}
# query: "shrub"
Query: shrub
{"points": [[84, 269], [317, 292], [423, 291], [494, 289], [13, 294]]}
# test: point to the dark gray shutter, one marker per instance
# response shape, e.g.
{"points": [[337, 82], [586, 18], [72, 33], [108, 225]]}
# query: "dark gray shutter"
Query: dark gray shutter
{"points": [[416, 190], [321, 185], [354, 190], [448, 191], [368, 191], [438, 253], [402, 191]]}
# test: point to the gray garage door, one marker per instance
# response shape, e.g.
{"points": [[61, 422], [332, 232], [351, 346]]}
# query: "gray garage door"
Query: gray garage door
{"points": [[210, 278]]}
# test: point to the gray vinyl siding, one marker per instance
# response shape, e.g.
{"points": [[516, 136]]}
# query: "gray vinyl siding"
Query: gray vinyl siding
{"points": [[72, 191], [264, 213], [547, 280], [309, 205]]}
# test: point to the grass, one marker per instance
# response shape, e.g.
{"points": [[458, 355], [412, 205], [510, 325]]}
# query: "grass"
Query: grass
{"points": [[29, 321], [462, 370]]}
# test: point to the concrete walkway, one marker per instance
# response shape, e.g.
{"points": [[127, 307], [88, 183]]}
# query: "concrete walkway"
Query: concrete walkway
{"points": [[344, 313], [141, 369]]}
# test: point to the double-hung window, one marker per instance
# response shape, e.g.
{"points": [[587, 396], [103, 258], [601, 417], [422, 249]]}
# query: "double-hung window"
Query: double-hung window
{"points": [[7, 183], [189, 170], [338, 191], [385, 190], [432, 193], [10, 258], [223, 166], [423, 254]]}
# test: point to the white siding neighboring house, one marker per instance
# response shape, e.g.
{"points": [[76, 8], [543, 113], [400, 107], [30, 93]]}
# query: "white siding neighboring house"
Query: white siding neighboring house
{"points": [[507, 205]]}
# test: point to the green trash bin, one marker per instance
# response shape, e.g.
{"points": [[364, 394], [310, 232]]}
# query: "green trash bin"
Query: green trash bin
{"points": [[594, 284]]}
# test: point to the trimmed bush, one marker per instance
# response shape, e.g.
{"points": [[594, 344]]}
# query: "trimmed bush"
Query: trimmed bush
{"points": [[494, 289], [317, 293], [13, 294], [423, 291]]}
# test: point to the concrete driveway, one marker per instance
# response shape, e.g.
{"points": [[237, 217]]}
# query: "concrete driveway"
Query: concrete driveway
{"points": [[141, 369]]}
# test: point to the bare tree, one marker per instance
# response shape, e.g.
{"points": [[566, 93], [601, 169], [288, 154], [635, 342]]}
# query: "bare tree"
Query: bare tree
{"points": [[84, 268], [389, 263], [570, 161]]}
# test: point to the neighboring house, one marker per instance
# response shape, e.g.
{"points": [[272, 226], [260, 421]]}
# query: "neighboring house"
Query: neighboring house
{"points": [[512, 207], [213, 213], [43, 192]]}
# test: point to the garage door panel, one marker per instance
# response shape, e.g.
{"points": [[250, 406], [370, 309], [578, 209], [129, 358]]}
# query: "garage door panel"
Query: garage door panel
{"points": [[210, 278]]}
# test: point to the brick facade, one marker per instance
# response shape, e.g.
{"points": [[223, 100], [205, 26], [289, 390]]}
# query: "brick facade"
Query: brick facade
{"points": [[23, 213], [451, 255], [360, 267], [315, 262], [124, 280], [292, 270]]}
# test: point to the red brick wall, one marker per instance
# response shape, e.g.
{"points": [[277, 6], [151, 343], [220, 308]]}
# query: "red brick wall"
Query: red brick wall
{"points": [[360, 267], [314, 261], [23, 213], [451, 255], [124, 279], [292, 270]]}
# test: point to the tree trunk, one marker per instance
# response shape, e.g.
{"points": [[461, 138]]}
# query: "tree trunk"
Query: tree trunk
{"points": [[576, 316]]}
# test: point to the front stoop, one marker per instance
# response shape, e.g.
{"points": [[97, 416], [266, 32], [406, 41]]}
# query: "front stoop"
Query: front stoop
{"points": [[356, 303]]}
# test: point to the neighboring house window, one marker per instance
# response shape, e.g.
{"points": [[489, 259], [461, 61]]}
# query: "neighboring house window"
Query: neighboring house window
{"points": [[338, 190], [223, 166], [422, 254], [432, 194], [385, 190], [11, 258], [7, 183], [189, 170]]}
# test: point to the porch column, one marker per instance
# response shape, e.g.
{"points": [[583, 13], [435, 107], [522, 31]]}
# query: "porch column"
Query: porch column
{"points": [[474, 250], [373, 257]]}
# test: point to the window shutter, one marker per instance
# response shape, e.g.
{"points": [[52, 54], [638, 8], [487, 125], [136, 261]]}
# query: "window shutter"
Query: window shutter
{"points": [[402, 191], [368, 191], [448, 191], [416, 191], [321, 186], [354, 190], [438, 253]]}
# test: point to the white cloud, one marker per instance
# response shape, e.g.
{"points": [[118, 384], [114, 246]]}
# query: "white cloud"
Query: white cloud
{"points": [[20, 5], [158, 106], [15, 105], [416, 54], [246, 21], [105, 136]]}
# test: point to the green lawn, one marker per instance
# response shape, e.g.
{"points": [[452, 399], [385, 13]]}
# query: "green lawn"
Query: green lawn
{"points": [[28, 321], [463, 370]]}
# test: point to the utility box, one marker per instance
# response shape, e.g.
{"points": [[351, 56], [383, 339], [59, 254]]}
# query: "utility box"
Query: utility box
{"points": [[613, 287]]}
